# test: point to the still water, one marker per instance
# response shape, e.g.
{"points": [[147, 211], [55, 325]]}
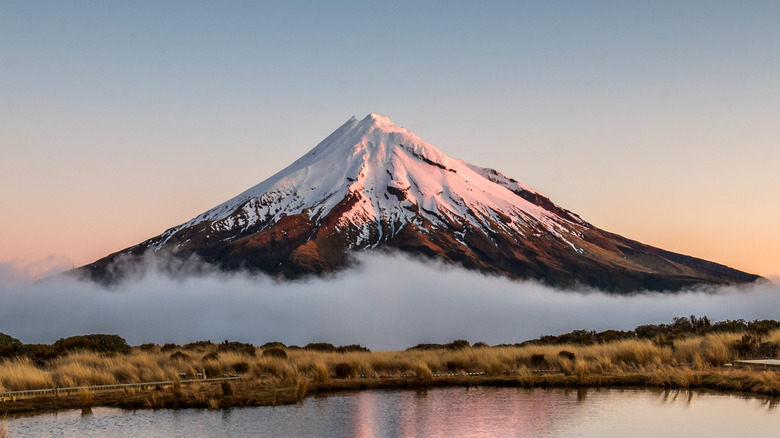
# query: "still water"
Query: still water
{"points": [[439, 412]]}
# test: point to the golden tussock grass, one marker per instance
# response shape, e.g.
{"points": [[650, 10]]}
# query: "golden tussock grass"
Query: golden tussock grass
{"points": [[86, 398], [22, 374], [679, 365]]}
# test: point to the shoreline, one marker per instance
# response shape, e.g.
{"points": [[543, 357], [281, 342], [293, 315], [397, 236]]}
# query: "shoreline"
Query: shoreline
{"points": [[249, 392]]}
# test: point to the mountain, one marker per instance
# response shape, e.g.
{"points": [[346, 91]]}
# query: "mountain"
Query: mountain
{"points": [[372, 185]]}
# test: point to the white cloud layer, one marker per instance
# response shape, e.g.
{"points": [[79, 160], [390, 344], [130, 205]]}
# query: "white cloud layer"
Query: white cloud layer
{"points": [[389, 302]]}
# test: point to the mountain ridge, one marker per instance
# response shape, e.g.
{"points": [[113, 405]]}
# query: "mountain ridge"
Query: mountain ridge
{"points": [[372, 184]]}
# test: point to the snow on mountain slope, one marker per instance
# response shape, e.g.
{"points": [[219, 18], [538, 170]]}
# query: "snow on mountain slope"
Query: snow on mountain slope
{"points": [[372, 184], [397, 177]]}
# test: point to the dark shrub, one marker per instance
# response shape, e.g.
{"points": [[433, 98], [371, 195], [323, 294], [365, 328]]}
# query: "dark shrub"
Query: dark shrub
{"points": [[763, 327], [458, 344], [747, 345], [238, 347], [169, 347], [320, 346], [344, 370], [352, 349], [98, 343], [9, 346], [730, 326], [275, 352], [179, 355], [241, 367], [148, 347], [648, 331], [38, 352], [537, 360], [613, 335], [211, 356], [272, 345], [767, 350], [9, 351], [480, 345], [580, 337], [751, 347], [213, 369], [199, 345], [567, 354], [7, 340], [425, 347], [227, 389]]}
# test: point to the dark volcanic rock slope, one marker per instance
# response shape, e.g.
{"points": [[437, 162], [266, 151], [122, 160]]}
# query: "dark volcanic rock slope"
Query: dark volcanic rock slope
{"points": [[374, 185]]}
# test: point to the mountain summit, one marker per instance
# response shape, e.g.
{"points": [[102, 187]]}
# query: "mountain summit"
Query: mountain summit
{"points": [[374, 185]]}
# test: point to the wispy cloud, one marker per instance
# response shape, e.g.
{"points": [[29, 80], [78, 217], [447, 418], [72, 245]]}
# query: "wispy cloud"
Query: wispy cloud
{"points": [[388, 302]]}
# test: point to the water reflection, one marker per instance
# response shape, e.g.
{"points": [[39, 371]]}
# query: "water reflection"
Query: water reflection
{"points": [[442, 412]]}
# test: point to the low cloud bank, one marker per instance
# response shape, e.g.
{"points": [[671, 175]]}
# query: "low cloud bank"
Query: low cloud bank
{"points": [[388, 302]]}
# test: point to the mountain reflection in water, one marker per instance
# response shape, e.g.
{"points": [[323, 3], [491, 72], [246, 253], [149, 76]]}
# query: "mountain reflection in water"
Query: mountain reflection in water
{"points": [[438, 412]]}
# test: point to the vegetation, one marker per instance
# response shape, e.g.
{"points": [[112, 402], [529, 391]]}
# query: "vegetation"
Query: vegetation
{"points": [[689, 353]]}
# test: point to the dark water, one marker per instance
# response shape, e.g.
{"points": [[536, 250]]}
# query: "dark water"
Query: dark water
{"points": [[441, 412]]}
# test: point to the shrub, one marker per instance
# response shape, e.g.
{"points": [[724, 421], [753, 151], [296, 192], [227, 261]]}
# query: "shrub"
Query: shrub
{"points": [[213, 369], [352, 349], [169, 347], [458, 344], [272, 345], [566, 354], [7, 340], [425, 347], [179, 356], [238, 347], [344, 370], [198, 345], [98, 343], [148, 347], [9, 346], [211, 356], [275, 352], [320, 346], [241, 367], [537, 360]]}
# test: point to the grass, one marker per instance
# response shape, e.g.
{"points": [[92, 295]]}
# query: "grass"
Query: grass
{"points": [[690, 362]]}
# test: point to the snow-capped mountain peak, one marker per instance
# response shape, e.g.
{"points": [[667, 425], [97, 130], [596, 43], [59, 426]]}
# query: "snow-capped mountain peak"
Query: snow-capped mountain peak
{"points": [[392, 176], [373, 184]]}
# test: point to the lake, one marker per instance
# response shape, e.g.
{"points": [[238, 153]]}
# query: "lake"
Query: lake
{"points": [[442, 412]]}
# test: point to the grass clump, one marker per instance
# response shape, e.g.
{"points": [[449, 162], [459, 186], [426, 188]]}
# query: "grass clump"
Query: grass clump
{"points": [[690, 352]]}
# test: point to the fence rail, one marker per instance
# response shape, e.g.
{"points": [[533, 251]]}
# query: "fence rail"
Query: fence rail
{"points": [[30, 393]]}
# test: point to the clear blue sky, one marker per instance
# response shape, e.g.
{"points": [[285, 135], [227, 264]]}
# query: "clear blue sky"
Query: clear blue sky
{"points": [[657, 120]]}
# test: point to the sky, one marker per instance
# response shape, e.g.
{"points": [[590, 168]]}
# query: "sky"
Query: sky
{"points": [[655, 120]]}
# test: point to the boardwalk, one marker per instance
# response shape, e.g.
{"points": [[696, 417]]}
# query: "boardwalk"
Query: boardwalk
{"points": [[12, 396], [767, 364]]}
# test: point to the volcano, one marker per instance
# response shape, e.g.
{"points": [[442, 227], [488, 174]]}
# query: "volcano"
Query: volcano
{"points": [[375, 186]]}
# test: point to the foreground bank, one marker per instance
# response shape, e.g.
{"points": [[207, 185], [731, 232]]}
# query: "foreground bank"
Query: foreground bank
{"points": [[277, 374], [253, 392]]}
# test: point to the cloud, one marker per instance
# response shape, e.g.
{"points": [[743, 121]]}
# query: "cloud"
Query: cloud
{"points": [[388, 302], [21, 270]]}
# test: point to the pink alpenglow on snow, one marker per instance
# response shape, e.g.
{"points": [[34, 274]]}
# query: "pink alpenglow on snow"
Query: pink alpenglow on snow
{"points": [[372, 184]]}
